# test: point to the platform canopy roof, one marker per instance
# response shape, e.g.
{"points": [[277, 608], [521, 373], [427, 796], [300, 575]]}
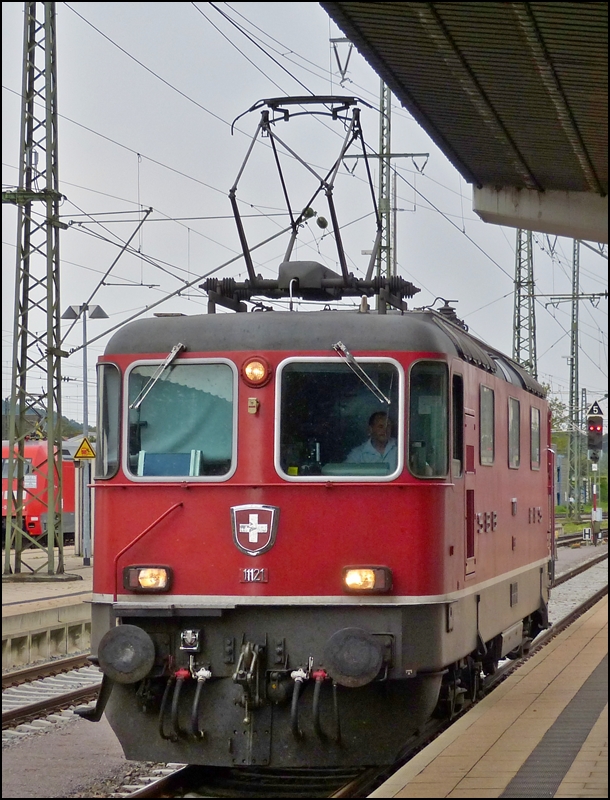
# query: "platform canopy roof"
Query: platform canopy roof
{"points": [[514, 94]]}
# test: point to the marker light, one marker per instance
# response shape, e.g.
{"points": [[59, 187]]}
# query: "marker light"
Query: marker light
{"points": [[256, 371], [367, 579], [147, 579]]}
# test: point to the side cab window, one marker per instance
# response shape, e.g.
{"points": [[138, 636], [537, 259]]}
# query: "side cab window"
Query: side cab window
{"points": [[429, 419], [487, 424], [108, 421], [534, 438], [514, 433]]}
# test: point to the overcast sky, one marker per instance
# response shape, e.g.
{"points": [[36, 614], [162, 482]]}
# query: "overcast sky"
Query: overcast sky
{"points": [[147, 93]]}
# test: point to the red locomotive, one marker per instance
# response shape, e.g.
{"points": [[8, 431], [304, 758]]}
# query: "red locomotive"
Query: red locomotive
{"points": [[285, 596], [35, 484]]}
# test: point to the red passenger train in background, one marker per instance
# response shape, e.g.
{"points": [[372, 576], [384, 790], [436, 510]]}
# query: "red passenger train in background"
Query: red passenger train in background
{"points": [[262, 598], [35, 486]]}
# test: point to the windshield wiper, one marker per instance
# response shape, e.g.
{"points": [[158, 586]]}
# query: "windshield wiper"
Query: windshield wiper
{"points": [[154, 378], [351, 362]]}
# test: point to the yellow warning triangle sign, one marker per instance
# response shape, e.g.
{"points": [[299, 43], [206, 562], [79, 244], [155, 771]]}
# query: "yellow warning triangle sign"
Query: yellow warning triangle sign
{"points": [[85, 450]]}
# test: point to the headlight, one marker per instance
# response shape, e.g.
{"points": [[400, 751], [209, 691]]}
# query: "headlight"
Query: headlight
{"points": [[256, 371], [147, 579], [367, 579]]}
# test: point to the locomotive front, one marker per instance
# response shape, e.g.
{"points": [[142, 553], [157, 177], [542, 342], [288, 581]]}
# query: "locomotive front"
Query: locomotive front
{"points": [[258, 567]]}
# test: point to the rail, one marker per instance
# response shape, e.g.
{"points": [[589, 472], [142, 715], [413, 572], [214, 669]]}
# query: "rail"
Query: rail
{"points": [[45, 670]]}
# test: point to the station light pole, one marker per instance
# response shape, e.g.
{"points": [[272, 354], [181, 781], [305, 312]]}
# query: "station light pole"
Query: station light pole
{"points": [[93, 312]]}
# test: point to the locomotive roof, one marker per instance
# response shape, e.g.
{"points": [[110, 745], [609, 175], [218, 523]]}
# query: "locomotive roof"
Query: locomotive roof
{"points": [[426, 331]]}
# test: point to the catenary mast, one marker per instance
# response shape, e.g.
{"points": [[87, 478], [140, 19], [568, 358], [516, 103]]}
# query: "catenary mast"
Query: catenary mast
{"points": [[524, 316], [36, 334]]}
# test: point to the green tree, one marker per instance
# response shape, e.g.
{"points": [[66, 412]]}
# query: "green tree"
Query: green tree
{"points": [[560, 421]]}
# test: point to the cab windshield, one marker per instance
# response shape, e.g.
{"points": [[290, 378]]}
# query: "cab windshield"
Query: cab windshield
{"points": [[335, 424], [185, 424]]}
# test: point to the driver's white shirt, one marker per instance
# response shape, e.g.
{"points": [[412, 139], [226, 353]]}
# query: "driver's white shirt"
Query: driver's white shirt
{"points": [[366, 453]]}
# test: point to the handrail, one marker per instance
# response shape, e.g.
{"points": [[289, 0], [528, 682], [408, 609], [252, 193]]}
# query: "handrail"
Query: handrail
{"points": [[137, 539]]}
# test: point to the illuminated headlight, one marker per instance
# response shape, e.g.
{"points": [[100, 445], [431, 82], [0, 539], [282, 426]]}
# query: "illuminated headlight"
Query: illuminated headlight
{"points": [[147, 579], [367, 579], [256, 371]]}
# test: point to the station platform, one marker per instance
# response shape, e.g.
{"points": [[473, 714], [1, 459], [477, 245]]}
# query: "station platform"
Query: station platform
{"points": [[76, 578], [48, 617], [542, 733]]}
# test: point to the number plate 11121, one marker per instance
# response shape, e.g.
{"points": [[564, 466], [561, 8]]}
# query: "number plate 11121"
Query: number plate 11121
{"points": [[253, 575]]}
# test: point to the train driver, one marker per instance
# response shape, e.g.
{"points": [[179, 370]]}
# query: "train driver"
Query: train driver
{"points": [[380, 447]]}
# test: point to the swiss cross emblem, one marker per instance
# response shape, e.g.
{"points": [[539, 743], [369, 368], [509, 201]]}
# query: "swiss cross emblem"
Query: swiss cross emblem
{"points": [[254, 528]]}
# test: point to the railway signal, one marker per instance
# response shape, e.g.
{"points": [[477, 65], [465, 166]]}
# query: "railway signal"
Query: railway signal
{"points": [[595, 432]]}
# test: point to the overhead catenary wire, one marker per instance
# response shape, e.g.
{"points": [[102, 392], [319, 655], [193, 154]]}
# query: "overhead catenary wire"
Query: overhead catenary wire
{"points": [[432, 205], [186, 286], [240, 51]]}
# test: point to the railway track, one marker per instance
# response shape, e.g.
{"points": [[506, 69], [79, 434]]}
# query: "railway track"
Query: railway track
{"points": [[30, 696], [44, 670], [564, 517], [566, 576], [32, 693], [568, 539], [196, 781]]}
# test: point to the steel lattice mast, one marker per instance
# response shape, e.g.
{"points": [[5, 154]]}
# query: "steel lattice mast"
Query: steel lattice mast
{"points": [[384, 258], [524, 316], [576, 404], [574, 476], [36, 334]]}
